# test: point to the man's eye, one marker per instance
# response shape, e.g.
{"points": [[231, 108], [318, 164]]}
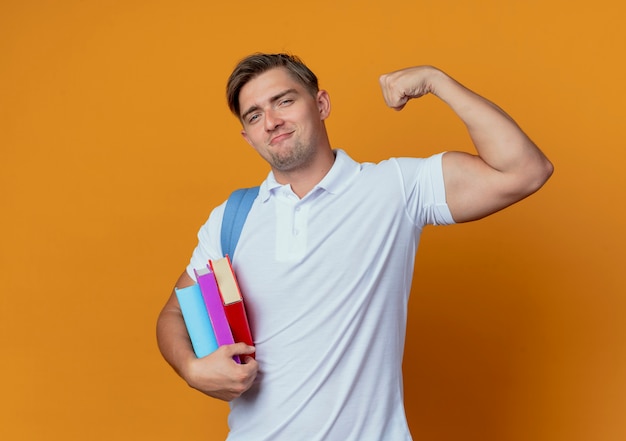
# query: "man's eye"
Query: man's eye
{"points": [[253, 118], [286, 102]]}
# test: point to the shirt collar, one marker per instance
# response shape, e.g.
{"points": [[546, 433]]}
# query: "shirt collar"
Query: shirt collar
{"points": [[338, 177]]}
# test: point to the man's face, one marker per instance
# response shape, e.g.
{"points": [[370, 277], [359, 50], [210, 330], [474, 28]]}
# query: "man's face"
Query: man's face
{"points": [[282, 121]]}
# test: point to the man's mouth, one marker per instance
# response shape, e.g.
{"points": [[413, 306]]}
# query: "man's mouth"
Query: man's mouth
{"points": [[279, 138]]}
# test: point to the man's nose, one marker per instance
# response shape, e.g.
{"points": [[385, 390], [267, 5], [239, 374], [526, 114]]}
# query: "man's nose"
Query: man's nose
{"points": [[272, 120]]}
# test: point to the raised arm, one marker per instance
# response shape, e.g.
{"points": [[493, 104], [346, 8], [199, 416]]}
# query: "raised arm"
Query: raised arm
{"points": [[508, 166], [216, 375]]}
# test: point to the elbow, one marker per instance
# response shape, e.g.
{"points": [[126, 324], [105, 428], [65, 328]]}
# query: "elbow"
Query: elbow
{"points": [[539, 175], [546, 170]]}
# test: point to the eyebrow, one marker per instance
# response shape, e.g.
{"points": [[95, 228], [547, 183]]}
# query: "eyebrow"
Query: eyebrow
{"points": [[273, 99]]}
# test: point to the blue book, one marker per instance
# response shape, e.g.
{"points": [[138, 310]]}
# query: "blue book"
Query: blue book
{"points": [[197, 320]]}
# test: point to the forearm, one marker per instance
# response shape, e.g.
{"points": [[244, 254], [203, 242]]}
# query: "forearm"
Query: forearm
{"points": [[173, 339], [217, 374], [498, 140]]}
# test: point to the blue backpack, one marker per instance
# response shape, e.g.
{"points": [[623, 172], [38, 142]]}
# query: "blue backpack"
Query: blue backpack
{"points": [[235, 214]]}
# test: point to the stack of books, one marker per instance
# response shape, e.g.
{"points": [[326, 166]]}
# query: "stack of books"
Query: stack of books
{"points": [[213, 309]]}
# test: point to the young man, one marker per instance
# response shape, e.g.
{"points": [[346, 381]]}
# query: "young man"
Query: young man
{"points": [[326, 255]]}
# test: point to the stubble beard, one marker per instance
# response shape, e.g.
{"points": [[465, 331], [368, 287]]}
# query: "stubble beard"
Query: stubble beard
{"points": [[291, 159]]}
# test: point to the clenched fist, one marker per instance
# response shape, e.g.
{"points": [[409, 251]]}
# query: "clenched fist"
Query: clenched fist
{"points": [[402, 85]]}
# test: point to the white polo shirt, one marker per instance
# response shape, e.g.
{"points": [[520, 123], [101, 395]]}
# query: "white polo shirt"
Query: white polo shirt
{"points": [[326, 281]]}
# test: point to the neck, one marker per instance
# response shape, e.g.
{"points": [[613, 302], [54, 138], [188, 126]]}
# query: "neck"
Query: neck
{"points": [[303, 180]]}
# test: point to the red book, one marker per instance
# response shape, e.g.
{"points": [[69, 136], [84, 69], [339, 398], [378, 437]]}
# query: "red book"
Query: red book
{"points": [[232, 299]]}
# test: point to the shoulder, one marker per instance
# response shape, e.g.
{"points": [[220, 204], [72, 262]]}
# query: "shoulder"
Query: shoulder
{"points": [[407, 168]]}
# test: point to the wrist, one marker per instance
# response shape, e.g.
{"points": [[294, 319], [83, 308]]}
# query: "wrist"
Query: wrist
{"points": [[437, 81]]}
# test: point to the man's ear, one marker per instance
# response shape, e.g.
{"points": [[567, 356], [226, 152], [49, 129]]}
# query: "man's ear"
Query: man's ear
{"points": [[245, 136], [323, 104]]}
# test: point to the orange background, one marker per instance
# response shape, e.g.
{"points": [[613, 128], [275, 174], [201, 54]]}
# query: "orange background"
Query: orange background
{"points": [[116, 142]]}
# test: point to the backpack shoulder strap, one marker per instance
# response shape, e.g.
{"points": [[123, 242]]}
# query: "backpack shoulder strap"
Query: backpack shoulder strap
{"points": [[235, 214]]}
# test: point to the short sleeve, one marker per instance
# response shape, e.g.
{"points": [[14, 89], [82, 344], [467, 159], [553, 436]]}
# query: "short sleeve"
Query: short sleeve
{"points": [[425, 190], [209, 246]]}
